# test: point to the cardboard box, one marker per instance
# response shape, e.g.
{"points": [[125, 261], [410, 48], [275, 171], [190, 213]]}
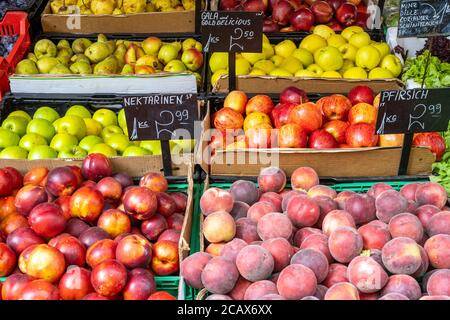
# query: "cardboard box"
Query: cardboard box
{"points": [[268, 84], [146, 22]]}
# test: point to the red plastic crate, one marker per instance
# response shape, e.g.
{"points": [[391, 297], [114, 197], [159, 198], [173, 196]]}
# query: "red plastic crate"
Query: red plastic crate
{"points": [[4, 83]]}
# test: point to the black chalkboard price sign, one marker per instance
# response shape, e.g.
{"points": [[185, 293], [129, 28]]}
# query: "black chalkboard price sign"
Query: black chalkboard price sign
{"points": [[423, 18], [231, 31], [416, 110], [161, 117]]}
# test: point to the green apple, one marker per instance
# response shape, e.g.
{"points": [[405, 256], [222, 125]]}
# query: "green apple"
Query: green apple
{"points": [[31, 140], [393, 64], [329, 58], [8, 138], [135, 151], [167, 53], [348, 51], [380, 73], [46, 113], [291, 65], [122, 119], [42, 127], [14, 152], [285, 48], [16, 124], [93, 128], [279, 72], [42, 152], [360, 39], [118, 141], [305, 74], [383, 48], [20, 113], [79, 110], [89, 141], [73, 125], [182, 146], [63, 140], [104, 149], [110, 130], [355, 73], [305, 57], [154, 146], [72, 152], [316, 69], [367, 57], [105, 117]]}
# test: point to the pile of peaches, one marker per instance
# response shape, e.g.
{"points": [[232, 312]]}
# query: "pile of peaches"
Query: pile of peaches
{"points": [[334, 121], [268, 242], [76, 233]]}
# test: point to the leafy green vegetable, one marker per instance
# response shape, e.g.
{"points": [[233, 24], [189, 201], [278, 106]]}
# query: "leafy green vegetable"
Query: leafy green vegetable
{"points": [[438, 73], [442, 169]]}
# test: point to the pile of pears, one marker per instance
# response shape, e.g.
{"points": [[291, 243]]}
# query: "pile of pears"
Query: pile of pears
{"points": [[110, 57], [352, 54], [118, 7]]}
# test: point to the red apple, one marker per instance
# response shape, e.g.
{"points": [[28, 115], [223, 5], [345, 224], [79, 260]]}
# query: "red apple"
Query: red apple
{"points": [[156, 182], [236, 100], [153, 227], [75, 284], [346, 14], [293, 95], [280, 115], [322, 11], [292, 136], [140, 285], [363, 113], [334, 25], [254, 6], [431, 140], [361, 20], [140, 202], [134, 251], [261, 138], [270, 26], [165, 258], [228, 4], [28, 197], [321, 139], [281, 12], [47, 220], [337, 129], [361, 94], [72, 249], [335, 4], [334, 107], [109, 278], [87, 204], [96, 166], [307, 115], [302, 19], [259, 103], [361, 135], [22, 238]]}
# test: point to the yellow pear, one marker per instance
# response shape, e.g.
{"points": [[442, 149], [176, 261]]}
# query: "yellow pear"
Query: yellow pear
{"points": [[346, 65], [81, 67], [336, 40], [97, 52], [134, 6], [103, 6], [108, 66], [355, 73], [127, 69], [305, 74], [316, 69], [324, 31], [55, 5]]}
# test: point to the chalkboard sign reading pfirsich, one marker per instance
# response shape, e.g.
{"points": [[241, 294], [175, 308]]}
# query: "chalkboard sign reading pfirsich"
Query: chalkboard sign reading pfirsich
{"points": [[416, 110], [422, 18], [160, 117]]}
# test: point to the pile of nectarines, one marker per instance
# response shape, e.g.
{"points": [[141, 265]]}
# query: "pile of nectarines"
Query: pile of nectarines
{"points": [[268, 242], [84, 233]]}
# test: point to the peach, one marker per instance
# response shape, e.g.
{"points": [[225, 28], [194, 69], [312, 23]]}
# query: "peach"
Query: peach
{"points": [[274, 198], [409, 191], [403, 284], [303, 233], [439, 283], [342, 291], [375, 235], [281, 251], [191, 268], [406, 225], [255, 263], [438, 251], [219, 275], [246, 229], [394, 296], [342, 197], [320, 190], [335, 219], [219, 226], [271, 179], [218, 297], [259, 289], [100, 251], [320, 292], [390, 203], [287, 197], [361, 208], [304, 178], [412, 206], [239, 289], [431, 193], [425, 263], [425, 213], [314, 260], [318, 242], [326, 205], [345, 243], [369, 296], [134, 251], [296, 282], [366, 274], [303, 211], [244, 191], [378, 188], [43, 262], [239, 210], [272, 297], [259, 209], [435, 298], [439, 224], [215, 249], [274, 225], [215, 199], [425, 278], [402, 256], [231, 249]]}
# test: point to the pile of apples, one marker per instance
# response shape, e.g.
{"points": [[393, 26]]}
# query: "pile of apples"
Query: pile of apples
{"points": [[76, 134], [118, 7], [334, 121], [269, 242], [106, 57], [76, 233], [351, 54], [299, 15]]}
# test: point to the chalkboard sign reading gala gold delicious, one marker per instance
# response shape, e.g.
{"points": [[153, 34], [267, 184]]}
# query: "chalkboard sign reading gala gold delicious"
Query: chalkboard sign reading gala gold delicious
{"points": [[416, 110], [422, 18], [160, 117]]}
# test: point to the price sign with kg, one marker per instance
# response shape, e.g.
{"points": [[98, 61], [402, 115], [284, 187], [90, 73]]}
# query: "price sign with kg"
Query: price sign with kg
{"points": [[161, 117], [416, 110], [231, 31]]}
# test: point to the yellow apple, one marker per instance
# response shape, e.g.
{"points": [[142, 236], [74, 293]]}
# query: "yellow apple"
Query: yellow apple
{"points": [[93, 127], [329, 58], [312, 43], [324, 31], [305, 57], [305, 74], [393, 64], [367, 57], [348, 51], [336, 40], [285, 48], [349, 31], [277, 60], [278, 72], [264, 65], [360, 40], [380, 73], [331, 74], [316, 69], [355, 73], [291, 64], [347, 65], [383, 48]]}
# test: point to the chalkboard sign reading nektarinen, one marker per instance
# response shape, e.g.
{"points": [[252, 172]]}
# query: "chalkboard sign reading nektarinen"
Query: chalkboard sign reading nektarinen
{"points": [[416, 110], [231, 31], [424, 18], [160, 117]]}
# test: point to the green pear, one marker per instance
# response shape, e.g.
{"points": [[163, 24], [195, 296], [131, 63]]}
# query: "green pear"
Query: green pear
{"points": [[102, 38], [45, 48], [127, 69], [45, 64], [81, 67], [108, 66], [80, 45], [97, 52], [79, 57], [120, 52], [60, 69], [26, 66], [63, 44], [64, 56], [32, 57]]}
